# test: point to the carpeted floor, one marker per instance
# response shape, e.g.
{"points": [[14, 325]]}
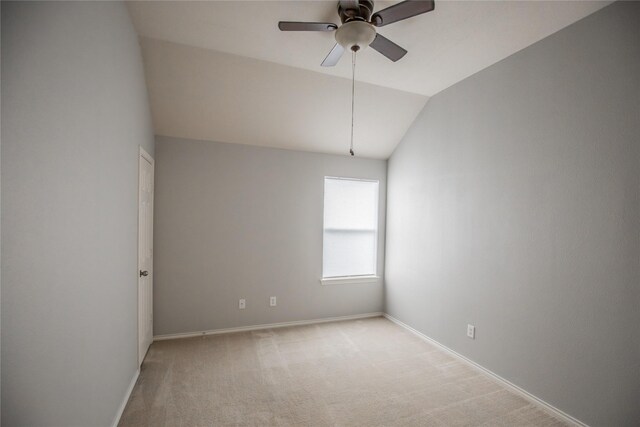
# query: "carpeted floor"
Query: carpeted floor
{"points": [[366, 372]]}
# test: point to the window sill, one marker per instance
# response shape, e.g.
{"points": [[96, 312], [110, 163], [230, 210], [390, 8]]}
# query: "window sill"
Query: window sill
{"points": [[348, 280]]}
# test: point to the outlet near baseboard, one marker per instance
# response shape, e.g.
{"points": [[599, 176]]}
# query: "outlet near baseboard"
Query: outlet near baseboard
{"points": [[471, 331]]}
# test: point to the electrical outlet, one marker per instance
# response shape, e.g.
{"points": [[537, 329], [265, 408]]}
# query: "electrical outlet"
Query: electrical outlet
{"points": [[272, 301], [471, 331], [242, 304]]}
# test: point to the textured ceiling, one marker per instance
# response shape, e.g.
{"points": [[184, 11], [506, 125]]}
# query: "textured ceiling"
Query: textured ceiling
{"points": [[288, 100]]}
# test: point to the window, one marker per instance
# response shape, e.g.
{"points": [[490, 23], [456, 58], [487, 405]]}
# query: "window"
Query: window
{"points": [[350, 229]]}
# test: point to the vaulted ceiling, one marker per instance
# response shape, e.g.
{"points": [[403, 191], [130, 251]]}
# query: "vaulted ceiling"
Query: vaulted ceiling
{"points": [[222, 71]]}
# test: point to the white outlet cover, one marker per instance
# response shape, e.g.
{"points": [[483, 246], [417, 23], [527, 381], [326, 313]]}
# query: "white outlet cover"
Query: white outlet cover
{"points": [[272, 301], [471, 331], [242, 304]]}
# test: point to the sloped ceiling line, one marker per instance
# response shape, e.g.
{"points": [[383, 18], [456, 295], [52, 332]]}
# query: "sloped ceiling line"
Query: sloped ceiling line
{"points": [[222, 71]]}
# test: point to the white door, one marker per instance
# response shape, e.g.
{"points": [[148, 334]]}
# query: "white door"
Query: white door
{"points": [[145, 254]]}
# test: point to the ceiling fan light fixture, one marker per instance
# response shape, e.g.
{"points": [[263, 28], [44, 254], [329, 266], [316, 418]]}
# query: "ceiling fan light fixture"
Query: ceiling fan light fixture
{"points": [[355, 33]]}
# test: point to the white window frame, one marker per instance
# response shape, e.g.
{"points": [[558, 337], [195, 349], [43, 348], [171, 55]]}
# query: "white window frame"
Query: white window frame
{"points": [[364, 278]]}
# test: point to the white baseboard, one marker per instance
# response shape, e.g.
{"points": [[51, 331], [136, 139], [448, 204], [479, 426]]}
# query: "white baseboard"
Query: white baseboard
{"points": [[550, 408], [264, 326], [126, 398]]}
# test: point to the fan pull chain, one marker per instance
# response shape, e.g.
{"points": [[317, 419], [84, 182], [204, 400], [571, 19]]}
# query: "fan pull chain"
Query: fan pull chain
{"points": [[353, 91]]}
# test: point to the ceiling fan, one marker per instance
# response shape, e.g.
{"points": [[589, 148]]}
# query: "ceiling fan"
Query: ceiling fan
{"points": [[358, 29]]}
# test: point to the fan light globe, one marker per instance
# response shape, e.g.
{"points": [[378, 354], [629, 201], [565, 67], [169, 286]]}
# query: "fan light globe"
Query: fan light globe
{"points": [[355, 33]]}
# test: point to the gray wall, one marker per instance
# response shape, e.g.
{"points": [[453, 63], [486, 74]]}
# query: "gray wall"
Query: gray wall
{"points": [[513, 204], [75, 109], [234, 221]]}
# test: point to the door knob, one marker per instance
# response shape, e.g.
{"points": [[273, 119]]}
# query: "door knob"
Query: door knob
{"points": [[144, 273]]}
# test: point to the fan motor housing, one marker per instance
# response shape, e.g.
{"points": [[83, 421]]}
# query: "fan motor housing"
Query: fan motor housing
{"points": [[363, 13]]}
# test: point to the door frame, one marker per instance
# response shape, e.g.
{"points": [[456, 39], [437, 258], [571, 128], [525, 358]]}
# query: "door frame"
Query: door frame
{"points": [[142, 156]]}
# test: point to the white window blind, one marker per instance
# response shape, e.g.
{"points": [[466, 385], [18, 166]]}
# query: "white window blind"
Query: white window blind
{"points": [[350, 227]]}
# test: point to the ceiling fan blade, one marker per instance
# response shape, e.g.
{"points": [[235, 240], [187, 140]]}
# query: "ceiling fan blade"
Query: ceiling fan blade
{"points": [[387, 48], [400, 11], [306, 26], [334, 56]]}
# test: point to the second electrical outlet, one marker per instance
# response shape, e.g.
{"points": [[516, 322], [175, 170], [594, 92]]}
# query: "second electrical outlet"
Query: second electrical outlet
{"points": [[242, 304], [471, 331], [272, 301]]}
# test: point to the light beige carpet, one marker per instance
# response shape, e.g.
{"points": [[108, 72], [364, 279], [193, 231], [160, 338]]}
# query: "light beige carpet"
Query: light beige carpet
{"points": [[366, 372]]}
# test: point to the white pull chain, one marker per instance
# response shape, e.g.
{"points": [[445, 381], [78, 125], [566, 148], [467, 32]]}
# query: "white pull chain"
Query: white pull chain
{"points": [[353, 91]]}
